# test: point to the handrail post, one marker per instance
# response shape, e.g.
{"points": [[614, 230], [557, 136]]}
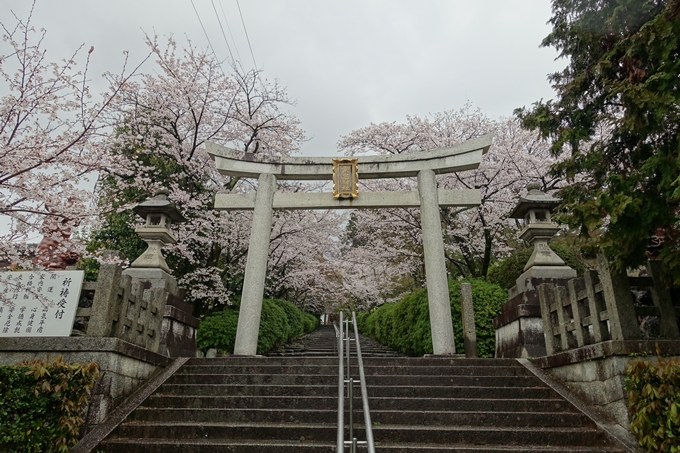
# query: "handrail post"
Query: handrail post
{"points": [[364, 395], [340, 445], [350, 395], [348, 347], [343, 334]]}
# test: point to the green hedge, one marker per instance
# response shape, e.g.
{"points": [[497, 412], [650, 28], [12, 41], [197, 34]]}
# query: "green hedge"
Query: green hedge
{"points": [[42, 403], [654, 403], [280, 322], [405, 325]]}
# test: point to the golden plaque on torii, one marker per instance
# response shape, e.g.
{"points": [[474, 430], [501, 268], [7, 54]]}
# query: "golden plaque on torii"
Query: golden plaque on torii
{"points": [[346, 178]]}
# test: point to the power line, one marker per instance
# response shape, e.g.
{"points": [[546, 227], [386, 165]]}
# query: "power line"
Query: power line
{"points": [[225, 36], [230, 33], [205, 32], [244, 29]]}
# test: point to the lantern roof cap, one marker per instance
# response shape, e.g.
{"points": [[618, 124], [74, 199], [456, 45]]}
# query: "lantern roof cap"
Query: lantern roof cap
{"points": [[159, 204], [535, 199]]}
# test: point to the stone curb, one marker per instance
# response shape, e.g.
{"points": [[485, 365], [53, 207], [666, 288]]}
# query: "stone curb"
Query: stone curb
{"points": [[615, 432], [61, 345], [119, 414], [607, 349]]}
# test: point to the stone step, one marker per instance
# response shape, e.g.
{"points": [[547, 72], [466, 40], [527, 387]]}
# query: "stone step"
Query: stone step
{"points": [[307, 446], [375, 403], [383, 417], [406, 391], [323, 343], [557, 436], [368, 362], [371, 380], [329, 369]]}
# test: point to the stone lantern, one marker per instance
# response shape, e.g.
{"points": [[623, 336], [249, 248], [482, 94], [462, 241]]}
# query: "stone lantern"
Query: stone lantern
{"points": [[535, 209], [159, 213], [519, 327]]}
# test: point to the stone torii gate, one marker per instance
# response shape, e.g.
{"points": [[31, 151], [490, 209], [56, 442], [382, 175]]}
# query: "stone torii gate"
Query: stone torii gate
{"points": [[423, 165]]}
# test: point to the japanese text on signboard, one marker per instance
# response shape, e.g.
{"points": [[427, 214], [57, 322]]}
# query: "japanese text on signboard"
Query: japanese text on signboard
{"points": [[39, 303]]}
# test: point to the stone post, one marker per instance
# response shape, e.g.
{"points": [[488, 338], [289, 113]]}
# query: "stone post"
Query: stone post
{"points": [[435, 266], [617, 296], [468, 311], [105, 305], [662, 301], [256, 268]]}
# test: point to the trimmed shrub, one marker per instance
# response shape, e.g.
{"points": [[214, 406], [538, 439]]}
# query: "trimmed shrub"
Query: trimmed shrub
{"points": [[294, 316], [654, 403], [274, 327], [405, 325], [218, 331], [42, 404], [310, 322], [506, 271], [280, 322]]}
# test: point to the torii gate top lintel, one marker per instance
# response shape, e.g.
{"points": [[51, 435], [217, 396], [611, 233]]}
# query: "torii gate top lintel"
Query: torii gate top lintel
{"points": [[461, 157]]}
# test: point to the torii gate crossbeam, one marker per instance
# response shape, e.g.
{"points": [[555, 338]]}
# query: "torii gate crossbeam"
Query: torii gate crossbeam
{"points": [[425, 166]]}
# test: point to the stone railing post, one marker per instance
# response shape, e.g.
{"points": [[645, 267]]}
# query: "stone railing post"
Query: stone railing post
{"points": [[105, 305], [668, 323], [596, 306], [619, 300], [581, 333], [547, 297]]}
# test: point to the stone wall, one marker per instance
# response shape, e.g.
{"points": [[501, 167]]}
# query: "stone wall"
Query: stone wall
{"points": [[178, 331], [123, 366], [601, 382], [597, 372]]}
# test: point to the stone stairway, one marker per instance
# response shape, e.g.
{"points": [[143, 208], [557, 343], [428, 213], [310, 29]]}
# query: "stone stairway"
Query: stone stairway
{"points": [[288, 404], [322, 343]]}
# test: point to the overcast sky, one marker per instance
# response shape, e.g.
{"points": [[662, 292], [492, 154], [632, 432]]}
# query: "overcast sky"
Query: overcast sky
{"points": [[346, 63]]}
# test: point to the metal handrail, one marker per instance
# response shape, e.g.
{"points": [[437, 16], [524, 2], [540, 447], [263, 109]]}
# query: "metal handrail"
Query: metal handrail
{"points": [[364, 393], [343, 334], [341, 396]]}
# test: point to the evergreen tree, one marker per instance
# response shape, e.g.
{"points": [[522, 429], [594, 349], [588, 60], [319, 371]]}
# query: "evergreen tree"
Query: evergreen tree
{"points": [[615, 123]]}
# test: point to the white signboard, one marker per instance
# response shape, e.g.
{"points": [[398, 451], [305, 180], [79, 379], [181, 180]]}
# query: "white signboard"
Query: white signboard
{"points": [[39, 303]]}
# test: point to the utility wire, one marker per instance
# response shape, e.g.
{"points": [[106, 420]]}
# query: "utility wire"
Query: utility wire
{"points": [[224, 35], [204, 32], [245, 30], [230, 33]]}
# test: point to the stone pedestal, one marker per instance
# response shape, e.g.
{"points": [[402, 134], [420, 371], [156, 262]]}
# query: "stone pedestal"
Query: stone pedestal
{"points": [[158, 278], [519, 327], [178, 332]]}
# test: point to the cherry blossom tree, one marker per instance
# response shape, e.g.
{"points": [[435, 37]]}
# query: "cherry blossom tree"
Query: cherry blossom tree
{"points": [[164, 120], [50, 138], [388, 243]]}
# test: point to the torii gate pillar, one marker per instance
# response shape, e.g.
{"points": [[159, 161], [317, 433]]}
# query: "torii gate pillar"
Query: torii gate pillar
{"points": [[435, 266], [256, 268]]}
